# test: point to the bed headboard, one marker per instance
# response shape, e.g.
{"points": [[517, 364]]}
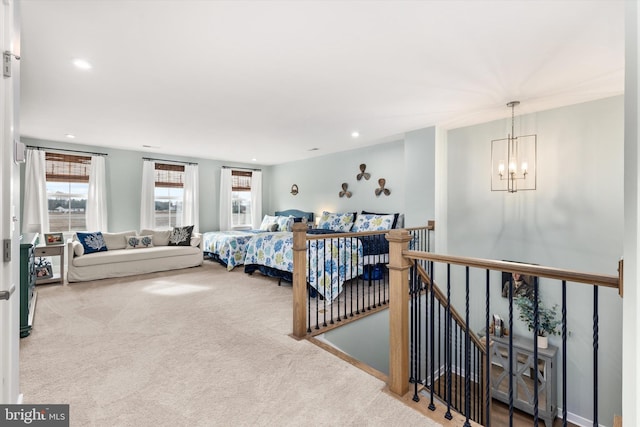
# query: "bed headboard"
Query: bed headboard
{"points": [[298, 215]]}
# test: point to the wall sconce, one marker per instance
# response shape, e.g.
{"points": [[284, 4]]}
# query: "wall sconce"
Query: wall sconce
{"points": [[513, 160]]}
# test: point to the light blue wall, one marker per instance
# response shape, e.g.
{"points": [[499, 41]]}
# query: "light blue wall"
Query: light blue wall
{"points": [[574, 220], [420, 176], [320, 181], [124, 181]]}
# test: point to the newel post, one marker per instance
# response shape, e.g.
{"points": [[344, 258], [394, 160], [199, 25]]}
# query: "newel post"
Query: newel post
{"points": [[299, 279], [398, 312]]}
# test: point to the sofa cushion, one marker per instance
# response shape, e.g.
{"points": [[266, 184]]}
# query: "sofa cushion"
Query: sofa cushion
{"points": [[117, 240], [123, 255], [181, 236], [139, 242], [92, 242], [78, 249], [160, 237]]}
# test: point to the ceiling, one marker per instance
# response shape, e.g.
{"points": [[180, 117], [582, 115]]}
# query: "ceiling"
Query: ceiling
{"points": [[273, 80]]}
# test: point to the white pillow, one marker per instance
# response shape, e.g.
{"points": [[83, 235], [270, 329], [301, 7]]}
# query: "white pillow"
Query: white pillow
{"points": [[267, 221], [117, 240], [160, 237], [78, 249], [285, 223], [196, 238], [139, 242]]}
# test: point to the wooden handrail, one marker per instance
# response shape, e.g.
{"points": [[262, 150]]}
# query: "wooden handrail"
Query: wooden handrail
{"points": [[439, 295], [605, 280], [430, 226]]}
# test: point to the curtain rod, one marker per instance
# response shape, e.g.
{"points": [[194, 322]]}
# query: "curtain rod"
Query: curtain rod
{"points": [[246, 169], [33, 147], [169, 161]]}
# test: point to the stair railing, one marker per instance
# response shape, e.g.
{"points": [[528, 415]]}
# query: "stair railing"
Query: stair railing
{"points": [[408, 280]]}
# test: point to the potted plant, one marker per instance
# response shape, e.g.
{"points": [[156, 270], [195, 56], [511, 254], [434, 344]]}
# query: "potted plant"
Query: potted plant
{"points": [[547, 322]]}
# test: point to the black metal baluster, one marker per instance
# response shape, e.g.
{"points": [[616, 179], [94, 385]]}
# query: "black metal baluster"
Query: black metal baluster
{"points": [[467, 352], [324, 283], [419, 324], [511, 351], [359, 279], [456, 357], [595, 356], [447, 350], [564, 353], [432, 334], [412, 308], [309, 290], [331, 279], [439, 347], [536, 326], [487, 390]]}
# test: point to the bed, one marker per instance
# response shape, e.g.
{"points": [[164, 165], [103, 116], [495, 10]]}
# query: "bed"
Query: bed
{"points": [[228, 247], [331, 261]]}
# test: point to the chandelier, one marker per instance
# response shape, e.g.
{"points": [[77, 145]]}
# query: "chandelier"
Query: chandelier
{"points": [[513, 160]]}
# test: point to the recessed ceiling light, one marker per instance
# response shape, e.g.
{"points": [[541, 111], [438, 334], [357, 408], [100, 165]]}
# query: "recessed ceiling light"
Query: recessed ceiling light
{"points": [[254, 160], [355, 134], [313, 149], [70, 136], [82, 64], [150, 146]]}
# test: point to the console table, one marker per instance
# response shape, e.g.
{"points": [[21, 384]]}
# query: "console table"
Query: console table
{"points": [[523, 376]]}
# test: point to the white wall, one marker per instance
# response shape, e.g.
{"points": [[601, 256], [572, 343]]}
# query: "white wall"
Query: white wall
{"points": [[573, 220]]}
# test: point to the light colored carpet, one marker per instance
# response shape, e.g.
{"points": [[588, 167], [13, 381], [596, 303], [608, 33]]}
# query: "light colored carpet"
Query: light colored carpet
{"points": [[196, 347]]}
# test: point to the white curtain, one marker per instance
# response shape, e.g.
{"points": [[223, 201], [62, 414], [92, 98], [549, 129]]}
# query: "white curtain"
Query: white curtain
{"points": [[97, 198], [190, 204], [147, 196], [225, 199], [256, 199], [36, 211]]}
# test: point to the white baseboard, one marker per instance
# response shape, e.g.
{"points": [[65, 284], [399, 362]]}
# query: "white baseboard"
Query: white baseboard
{"points": [[578, 420]]}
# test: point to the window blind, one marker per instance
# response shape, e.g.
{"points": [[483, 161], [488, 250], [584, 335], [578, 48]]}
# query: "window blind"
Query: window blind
{"points": [[240, 180], [67, 167], [169, 175]]}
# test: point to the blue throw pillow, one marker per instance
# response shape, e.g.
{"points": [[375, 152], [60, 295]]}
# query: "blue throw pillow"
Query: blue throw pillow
{"points": [[92, 242]]}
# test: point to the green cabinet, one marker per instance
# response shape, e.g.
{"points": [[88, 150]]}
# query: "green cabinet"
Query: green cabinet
{"points": [[28, 244]]}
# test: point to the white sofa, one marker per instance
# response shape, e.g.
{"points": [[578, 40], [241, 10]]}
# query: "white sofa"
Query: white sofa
{"points": [[118, 261]]}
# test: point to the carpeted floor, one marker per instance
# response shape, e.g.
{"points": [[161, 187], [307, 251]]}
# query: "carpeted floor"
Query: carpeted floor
{"points": [[197, 347]]}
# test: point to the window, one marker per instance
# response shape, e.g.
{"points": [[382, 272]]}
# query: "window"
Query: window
{"points": [[240, 198], [169, 190], [67, 179]]}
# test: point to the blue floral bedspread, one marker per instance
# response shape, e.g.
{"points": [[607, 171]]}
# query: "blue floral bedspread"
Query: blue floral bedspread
{"points": [[330, 261], [228, 246]]}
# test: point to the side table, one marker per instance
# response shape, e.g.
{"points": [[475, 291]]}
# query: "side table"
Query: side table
{"points": [[51, 251]]}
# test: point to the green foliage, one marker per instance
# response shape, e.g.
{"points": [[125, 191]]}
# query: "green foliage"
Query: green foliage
{"points": [[547, 322]]}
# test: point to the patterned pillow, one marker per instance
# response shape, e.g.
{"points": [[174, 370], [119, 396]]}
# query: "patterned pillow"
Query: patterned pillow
{"points": [[371, 222], [181, 236], [267, 223], [136, 242], [395, 218], [285, 223], [336, 221], [92, 242]]}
